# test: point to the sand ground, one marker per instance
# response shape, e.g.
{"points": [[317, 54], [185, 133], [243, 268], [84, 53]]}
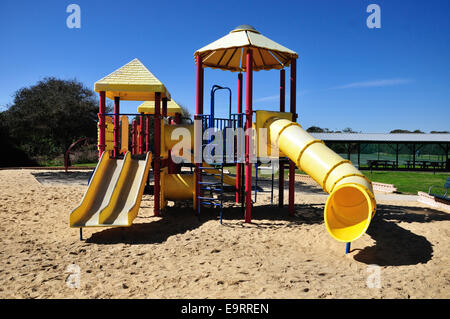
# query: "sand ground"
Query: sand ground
{"points": [[404, 254]]}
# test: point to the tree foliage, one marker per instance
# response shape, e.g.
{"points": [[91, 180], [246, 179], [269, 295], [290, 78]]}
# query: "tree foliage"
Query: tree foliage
{"points": [[405, 131], [316, 129], [46, 118], [186, 112]]}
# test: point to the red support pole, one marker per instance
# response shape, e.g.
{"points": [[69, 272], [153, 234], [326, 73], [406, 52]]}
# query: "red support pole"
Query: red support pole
{"points": [[282, 109], [200, 74], [282, 90], [171, 168], [239, 119], [164, 107], [134, 137], [101, 124], [116, 126], [248, 127], [294, 115], [156, 153], [147, 133], [141, 135], [198, 110]]}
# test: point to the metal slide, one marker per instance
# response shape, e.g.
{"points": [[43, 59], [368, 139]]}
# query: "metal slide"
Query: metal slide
{"points": [[114, 193]]}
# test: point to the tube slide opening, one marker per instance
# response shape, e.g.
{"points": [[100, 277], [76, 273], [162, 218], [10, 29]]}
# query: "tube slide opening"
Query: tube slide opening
{"points": [[348, 212]]}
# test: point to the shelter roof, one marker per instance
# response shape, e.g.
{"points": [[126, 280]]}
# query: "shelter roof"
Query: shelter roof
{"points": [[228, 52], [133, 82]]}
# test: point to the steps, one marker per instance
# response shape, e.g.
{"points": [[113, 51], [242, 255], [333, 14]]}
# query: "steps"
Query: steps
{"points": [[210, 192]]}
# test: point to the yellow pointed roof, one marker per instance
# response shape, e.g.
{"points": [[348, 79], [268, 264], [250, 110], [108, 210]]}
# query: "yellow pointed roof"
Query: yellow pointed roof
{"points": [[228, 52], [149, 108], [132, 82]]}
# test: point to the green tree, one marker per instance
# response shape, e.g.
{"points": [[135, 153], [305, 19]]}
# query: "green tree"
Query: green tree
{"points": [[315, 129], [396, 131], [186, 113], [46, 118], [348, 130]]}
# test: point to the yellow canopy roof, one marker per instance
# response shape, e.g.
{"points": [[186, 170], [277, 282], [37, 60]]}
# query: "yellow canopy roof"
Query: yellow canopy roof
{"points": [[149, 108], [228, 52], [132, 82]]}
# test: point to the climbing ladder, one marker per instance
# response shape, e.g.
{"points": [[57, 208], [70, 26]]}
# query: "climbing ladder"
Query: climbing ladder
{"points": [[211, 192], [210, 177]]}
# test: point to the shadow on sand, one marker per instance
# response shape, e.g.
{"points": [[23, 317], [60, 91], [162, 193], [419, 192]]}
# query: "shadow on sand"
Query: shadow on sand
{"points": [[394, 245], [61, 177]]}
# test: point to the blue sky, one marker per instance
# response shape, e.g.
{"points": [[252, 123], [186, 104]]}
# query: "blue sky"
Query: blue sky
{"points": [[372, 80]]}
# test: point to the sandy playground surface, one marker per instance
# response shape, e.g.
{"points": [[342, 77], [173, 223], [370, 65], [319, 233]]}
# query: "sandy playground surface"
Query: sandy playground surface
{"points": [[179, 256]]}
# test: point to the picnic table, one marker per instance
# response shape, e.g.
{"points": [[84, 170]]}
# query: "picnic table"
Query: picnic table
{"points": [[381, 164], [426, 164], [434, 164]]}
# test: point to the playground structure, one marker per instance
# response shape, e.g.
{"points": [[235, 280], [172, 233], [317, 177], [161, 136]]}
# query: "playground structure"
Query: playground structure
{"points": [[118, 182]]}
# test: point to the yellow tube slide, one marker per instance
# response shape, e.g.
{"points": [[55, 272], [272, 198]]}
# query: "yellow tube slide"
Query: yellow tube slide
{"points": [[351, 204], [177, 186]]}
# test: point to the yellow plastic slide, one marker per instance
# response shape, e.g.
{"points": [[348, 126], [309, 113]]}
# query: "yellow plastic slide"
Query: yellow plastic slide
{"points": [[114, 193], [176, 187], [126, 198], [351, 204]]}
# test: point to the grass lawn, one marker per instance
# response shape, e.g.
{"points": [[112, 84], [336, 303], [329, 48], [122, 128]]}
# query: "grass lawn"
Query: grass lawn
{"points": [[51, 164], [93, 165], [405, 182], [410, 182]]}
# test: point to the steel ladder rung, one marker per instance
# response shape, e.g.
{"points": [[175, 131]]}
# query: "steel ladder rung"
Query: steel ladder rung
{"points": [[209, 183], [211, 189], [211, 203], [208, 198]]}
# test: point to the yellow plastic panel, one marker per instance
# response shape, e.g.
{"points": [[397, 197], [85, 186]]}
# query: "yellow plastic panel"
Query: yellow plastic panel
{"points": [[124, 139], [109, 134], [148, 107], [168, 129]]}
